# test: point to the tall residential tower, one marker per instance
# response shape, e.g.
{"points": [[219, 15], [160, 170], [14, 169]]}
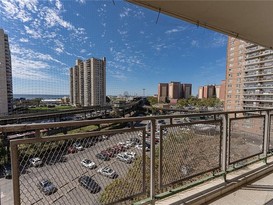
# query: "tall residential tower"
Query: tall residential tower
{"points": [[249, 76], [6, 95], [88, 82]]}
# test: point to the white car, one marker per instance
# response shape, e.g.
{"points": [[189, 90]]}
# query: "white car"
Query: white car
{"points": [[36, 161], [106, 171], [124, 158], [127, 146], [78, 146], [141, 147], [88, 164], [131, 154]]}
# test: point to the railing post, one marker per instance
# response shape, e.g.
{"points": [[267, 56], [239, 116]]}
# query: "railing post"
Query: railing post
{"points": [[15, 172], [152, 177], [266, 134], [224, 144]]}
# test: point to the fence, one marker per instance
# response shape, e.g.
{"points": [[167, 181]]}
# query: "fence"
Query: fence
{"points": [[147, 157]]}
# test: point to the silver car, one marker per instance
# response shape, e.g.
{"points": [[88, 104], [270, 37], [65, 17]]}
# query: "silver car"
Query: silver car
{"points": [[108, 172]]}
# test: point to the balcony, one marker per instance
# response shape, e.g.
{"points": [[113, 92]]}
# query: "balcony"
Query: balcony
{"points": [[176, 155]]}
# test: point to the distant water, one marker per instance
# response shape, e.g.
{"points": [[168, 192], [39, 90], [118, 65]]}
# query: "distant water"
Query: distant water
{"points": [[32, 96]]}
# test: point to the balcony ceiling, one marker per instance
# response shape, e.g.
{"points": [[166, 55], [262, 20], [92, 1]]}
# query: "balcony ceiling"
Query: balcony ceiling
{"points": [[247, 20]]}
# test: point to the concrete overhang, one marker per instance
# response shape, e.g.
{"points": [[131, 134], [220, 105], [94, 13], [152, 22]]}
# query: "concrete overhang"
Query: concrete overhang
{"points": [[247, 20]]}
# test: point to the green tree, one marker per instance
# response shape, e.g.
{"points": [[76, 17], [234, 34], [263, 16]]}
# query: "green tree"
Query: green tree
{"points": [[152, 100], [182, 102]]}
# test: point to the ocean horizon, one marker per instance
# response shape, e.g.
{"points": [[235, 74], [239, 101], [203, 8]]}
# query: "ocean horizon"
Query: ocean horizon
{"points": [[33, 96]]}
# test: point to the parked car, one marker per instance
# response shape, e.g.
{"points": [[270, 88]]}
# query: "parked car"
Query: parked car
{"points": [[124, 158], [108, 172], [47, 187], [78, 146], [131, 154], [72, 150], [88, 164], [56, 159], [109, 152], [141, 147], [89, 142], [135, 140], [102, 157], [7, 171], [88, 183], [105, 137], [36, 161]]}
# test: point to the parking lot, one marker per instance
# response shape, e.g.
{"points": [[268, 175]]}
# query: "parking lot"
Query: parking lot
{"points": [[65, 175]]}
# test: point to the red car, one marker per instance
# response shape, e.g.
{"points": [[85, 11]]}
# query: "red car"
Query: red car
{"points": [[71, 149], [108, 153]]}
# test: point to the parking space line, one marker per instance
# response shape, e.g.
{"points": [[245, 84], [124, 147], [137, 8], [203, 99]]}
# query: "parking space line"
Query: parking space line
{"points": [[56, 199], [37, 201], [64, 185]]}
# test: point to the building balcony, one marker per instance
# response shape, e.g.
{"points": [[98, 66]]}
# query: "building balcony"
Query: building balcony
{"points": [[184, 150], [254, 49], [258, 54]]}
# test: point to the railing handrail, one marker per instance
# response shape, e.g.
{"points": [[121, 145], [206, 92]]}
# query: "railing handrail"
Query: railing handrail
{"points": [[37, 126]]}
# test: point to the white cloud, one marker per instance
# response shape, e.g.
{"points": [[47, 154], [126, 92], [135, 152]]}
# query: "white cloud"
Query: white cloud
{"points": [[81, 1], [59, 46], [194, 43], [122, 32], [58, 4], [219, 40], [31, 65], [19, 9], [25, 40], [125, 12], [33, 33], [175, 30], [82, 50]]}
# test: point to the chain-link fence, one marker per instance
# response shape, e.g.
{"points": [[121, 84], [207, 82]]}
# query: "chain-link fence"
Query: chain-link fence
{"points": [[188, 150], [84, 162], [90, 168], [246, 136]]}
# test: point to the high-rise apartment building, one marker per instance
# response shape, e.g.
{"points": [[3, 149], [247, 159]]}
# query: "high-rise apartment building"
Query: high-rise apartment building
{"points": [[6, 94], [88, 82], [163, 92], [173, 91], [249, 76], [186, 90], [212, 91], [207, 91], [235, 68]]}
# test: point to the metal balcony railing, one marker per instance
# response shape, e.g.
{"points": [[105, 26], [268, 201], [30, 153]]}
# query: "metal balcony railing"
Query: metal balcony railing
{"points": [[142, 160]]}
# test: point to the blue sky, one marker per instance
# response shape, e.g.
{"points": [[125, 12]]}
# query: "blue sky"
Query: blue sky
{"points": [[46, 38]]}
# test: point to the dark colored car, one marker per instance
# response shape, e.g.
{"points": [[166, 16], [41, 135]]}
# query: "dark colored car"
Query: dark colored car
{"points": [[89, 142], [108, 152], [72, 149], [7, 171], [55, 160], [88, 183], [135, 140], [102, 156], [47, 187]]}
